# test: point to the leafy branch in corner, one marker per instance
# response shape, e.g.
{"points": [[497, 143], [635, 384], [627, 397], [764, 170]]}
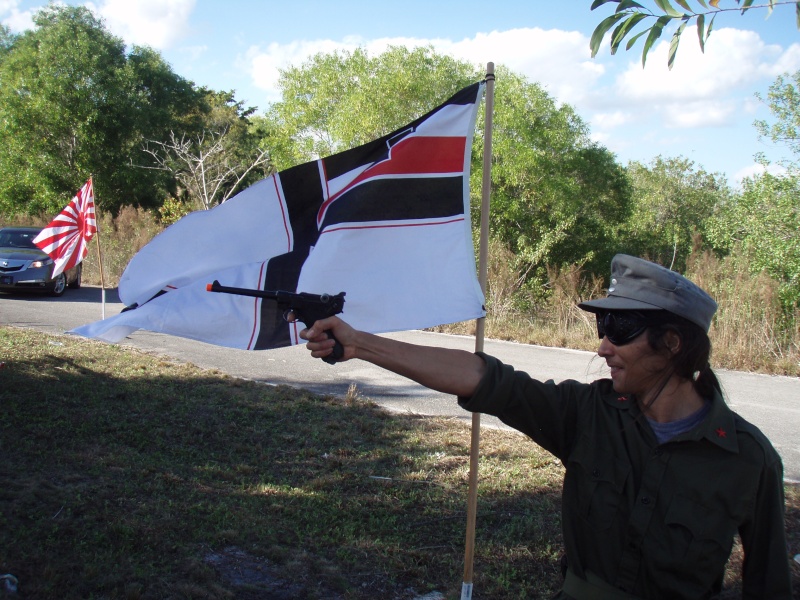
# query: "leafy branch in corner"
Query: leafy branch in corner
{"points": [[630, 13]]}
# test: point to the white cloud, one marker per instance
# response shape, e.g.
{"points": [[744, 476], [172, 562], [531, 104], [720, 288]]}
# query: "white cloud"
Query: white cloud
{"points": [[714, 88], [264, 63], [604, 121], [13, 18], [756, 169], [156, 23], [733, 60], [702, 113], [558, 60]]}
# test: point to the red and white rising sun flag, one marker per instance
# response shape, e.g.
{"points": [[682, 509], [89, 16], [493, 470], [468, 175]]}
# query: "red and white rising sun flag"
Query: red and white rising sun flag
{"points": [[66, 239], [387, 223]]}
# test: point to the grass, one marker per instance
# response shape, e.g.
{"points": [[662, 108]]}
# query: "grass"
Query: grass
{"points": [[125, 475]]}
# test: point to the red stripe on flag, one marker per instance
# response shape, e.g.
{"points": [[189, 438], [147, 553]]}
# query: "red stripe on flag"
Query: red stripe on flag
{"points": [[389, 225], [414, 155], [255, 308], [282, 204]]}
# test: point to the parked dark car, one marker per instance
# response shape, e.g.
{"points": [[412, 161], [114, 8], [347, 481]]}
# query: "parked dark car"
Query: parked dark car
{"points": [[24, 267]]}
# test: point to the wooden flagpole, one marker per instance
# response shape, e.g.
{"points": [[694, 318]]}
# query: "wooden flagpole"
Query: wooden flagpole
{"points": [[483, 268], [99, 255]]}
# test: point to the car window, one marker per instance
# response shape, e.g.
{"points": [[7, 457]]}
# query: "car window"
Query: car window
{"points": [[18, 239]]}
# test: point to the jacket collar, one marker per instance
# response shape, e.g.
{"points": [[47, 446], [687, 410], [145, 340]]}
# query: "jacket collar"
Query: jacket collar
{"points": [[719, 426]]}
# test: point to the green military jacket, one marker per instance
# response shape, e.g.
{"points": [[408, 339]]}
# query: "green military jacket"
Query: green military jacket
{"points": [[649, 520]]}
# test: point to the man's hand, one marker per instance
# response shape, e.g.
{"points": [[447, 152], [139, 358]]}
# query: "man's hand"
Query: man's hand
{"points": [[321, 345]]}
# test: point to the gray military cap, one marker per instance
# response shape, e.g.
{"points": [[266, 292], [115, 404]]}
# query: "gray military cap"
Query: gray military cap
{"points": [[637, 284]]}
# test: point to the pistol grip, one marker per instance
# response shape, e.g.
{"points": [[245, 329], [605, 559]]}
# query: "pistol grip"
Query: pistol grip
{"points": [[338, 350]]}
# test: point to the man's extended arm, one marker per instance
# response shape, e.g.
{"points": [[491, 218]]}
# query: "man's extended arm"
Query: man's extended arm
{"points": [[445, 370]]}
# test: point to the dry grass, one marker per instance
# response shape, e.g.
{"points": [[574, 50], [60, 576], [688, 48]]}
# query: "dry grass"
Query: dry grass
{"points": [[749, 333]]}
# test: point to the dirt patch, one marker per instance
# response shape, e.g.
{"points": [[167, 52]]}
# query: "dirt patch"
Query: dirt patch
{"points": [[255, 578]]}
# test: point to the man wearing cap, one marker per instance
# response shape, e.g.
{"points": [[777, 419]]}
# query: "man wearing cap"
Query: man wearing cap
{"points": [[660, 473]]}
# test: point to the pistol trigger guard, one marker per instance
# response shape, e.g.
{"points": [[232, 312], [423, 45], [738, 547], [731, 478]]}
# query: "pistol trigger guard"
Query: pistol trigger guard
{"points": [[287, 313]]}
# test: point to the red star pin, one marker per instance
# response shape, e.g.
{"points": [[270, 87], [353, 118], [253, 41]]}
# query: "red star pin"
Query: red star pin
{"points": [[721, 433], [622, 399]]}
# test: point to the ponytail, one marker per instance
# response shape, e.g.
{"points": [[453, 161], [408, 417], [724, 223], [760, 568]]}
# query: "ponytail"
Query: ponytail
{"points": [[692, 360], [706, 382]]}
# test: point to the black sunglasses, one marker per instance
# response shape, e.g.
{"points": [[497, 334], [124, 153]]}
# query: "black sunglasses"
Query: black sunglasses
{"points": [[622, 327]]}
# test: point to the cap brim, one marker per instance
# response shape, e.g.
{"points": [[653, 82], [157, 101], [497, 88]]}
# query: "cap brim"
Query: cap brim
{"points": [[616, 303]]}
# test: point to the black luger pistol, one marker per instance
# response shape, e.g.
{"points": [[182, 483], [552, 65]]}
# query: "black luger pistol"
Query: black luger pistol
{"points": [[308, 308]]}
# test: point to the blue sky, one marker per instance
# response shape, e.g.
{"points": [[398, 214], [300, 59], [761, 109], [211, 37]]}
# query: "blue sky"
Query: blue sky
{"points": [[702, 110]]}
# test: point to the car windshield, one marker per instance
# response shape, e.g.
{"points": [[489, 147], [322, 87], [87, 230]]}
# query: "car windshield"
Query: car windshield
{"points": [[17, 239]]}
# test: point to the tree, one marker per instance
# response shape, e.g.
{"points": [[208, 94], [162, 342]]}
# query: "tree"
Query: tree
{"points": [[763, 222], [164, 102], [672, 202], [629, 14], [557, 197], [219, 160], [340, 100], [73, 104], [203, 165], [783, 100], [6, 40], [60, 87]]}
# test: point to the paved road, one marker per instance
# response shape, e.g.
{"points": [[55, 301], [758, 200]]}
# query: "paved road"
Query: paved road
{"points": [[770, 402]]}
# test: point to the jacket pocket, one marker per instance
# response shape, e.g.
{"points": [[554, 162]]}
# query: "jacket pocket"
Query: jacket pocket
{"points": [[599, 478], [699, 536]]}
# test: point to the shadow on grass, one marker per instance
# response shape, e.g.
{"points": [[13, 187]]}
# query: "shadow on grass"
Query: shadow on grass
{"points": [[126, 476]]}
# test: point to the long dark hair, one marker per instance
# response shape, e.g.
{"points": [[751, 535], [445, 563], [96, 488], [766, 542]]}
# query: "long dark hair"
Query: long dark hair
{"points": [[692, 360]]}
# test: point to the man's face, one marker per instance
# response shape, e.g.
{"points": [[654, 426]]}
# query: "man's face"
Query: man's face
{"points": [[635, 367]]}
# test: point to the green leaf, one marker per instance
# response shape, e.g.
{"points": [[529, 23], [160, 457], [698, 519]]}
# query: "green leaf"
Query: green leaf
{"points": [[684, 5], [703, 4], [668, 8], [655, 33], [745, 5], [597, 3], [600, 31], [624, 29], [797, 13], [634, 39], [673, 45], [628, 4], [701, 22]]}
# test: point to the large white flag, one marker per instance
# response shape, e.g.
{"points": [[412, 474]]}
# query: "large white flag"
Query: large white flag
{"points": [[387, 223]]}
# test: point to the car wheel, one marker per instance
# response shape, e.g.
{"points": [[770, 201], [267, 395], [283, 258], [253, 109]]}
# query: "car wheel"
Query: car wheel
{"points": [[59, 285], [76, 283]]}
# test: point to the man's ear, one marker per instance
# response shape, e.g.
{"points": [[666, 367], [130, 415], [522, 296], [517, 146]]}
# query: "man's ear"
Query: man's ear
{"points": [[672, 341]]}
